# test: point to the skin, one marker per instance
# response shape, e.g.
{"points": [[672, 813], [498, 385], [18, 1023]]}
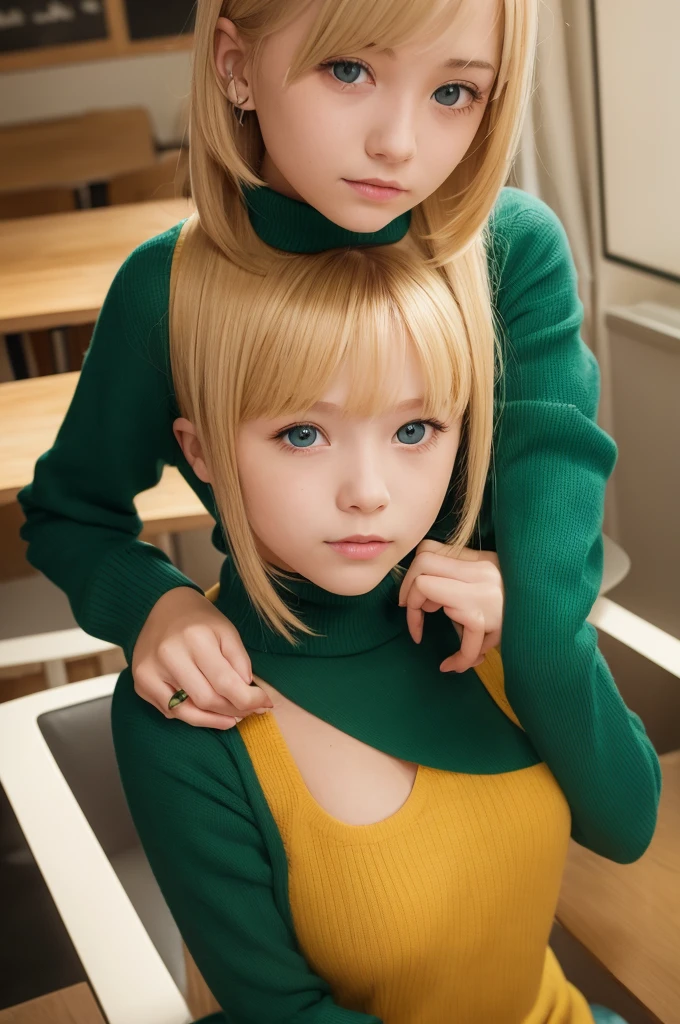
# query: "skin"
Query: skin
{"points": [[394, 120], [359, 476]]}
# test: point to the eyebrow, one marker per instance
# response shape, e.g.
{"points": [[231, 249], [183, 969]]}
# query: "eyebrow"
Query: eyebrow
{"points": [[406, 406], [454, 62]]}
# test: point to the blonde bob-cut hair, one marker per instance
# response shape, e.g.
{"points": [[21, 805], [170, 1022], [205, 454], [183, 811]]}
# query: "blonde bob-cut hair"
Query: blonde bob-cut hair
{"points": [[274, 343], [450, 226]]}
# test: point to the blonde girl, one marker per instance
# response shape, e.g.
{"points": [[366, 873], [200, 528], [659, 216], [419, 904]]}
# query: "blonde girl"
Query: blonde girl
{"points": [[386, 845], [298, 108]]}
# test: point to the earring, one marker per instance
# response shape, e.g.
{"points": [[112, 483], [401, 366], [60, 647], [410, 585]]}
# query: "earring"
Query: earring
{"points": [[238, 110]]}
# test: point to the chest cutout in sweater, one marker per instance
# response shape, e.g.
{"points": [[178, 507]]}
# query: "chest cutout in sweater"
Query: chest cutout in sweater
{"points": [[335, 767]]}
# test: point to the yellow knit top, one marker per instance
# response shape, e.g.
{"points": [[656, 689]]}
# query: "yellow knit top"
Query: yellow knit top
{"points": [[440, 913]]}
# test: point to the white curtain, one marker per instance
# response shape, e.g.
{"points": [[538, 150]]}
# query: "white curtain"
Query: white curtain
{"points": [[558, 163]]}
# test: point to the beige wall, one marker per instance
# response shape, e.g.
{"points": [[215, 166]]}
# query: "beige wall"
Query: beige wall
{"points": [[639, 84], [646, 426], [159, 82], [621, 286]]}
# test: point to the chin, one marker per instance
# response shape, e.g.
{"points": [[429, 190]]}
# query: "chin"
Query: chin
{"points": [[353, 580], [359, 215]]}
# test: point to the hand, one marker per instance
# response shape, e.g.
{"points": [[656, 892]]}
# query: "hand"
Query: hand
{"points": [[469, 589], [187, 644]]}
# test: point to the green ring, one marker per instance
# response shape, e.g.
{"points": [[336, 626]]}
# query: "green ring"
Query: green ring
{"points": [[176, 699]]}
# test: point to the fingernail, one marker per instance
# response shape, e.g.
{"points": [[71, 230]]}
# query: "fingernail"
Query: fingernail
{"points": [[261, 711]]}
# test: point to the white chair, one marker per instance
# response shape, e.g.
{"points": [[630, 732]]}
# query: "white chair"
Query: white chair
{"points": [[58, 769], [51, 650]]}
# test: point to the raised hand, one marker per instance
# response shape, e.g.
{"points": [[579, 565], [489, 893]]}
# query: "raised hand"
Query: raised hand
{"points": [[469, 589]]}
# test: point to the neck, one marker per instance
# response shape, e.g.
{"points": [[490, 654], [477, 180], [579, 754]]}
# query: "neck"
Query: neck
{"points": [[295, 226], [342, 624]]}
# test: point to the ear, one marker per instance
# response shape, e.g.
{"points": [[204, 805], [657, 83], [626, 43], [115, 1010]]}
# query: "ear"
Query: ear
{"points": [[187, 439], [231, 62]]}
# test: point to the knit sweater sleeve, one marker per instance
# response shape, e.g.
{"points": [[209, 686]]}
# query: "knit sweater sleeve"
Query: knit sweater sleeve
{"points": [[212, 864], [552, 463], [81, 523]]}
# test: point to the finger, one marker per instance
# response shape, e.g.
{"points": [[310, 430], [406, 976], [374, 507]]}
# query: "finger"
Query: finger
{"points": [[440, 590], [433, 564], [491, 640], [449, 665], [414, 620], [185, 672], [471, 645], [189, 713], [227, 683], [233, 650], [425, 546]]}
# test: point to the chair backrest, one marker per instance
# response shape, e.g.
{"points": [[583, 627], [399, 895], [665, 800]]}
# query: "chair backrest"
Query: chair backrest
{"points": [[166, 178], [79, 738]]}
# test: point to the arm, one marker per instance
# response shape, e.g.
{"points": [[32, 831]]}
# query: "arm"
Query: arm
{"points": [[81, 522], [552, 463], [212, 864]]}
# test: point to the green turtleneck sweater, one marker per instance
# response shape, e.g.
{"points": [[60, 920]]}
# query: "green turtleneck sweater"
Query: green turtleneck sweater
{"points": [[542, 512], [214, 842]]}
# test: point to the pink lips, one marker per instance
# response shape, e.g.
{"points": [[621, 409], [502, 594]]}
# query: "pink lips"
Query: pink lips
{"points": [[360, 548], [374, 188]]}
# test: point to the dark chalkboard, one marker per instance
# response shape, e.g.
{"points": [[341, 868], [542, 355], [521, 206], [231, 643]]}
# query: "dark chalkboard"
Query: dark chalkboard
{"points": [[149, 19], [32, 24]]}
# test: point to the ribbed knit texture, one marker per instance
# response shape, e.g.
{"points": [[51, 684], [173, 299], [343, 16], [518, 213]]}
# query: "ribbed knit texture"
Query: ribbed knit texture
{"points": [[543, 508], [440, 912], [304, 229]]}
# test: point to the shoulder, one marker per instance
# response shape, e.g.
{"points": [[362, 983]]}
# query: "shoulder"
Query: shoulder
{"points": [[196, 767], [519, 214], [143, 281], [145, 274], [155, 255], [527, 241], [139, 298]]}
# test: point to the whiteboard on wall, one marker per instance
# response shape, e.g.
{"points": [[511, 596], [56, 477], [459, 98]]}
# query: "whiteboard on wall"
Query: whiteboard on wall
{"points": [[637, 47]]}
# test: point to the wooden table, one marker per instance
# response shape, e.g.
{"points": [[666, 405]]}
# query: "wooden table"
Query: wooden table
{"points": [[56, 270], [31, 412], [74, 151], [628, 915], [75, 1005]]}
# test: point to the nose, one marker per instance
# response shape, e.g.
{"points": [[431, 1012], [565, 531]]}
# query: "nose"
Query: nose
{"points": [[393, 135], [363, 487]]}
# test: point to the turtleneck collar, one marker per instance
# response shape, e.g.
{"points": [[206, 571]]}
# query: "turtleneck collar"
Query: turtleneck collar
{"points": [[344, 624], [367, 677], [295, 226]]}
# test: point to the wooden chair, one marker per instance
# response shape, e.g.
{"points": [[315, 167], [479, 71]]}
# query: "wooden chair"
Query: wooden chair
{"points": [[166, 178], [75, 151], [36, 202]]}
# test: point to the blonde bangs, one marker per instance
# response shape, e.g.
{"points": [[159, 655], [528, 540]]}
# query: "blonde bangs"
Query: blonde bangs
{"points": [[344, 27], [358, 311], [274, 344], [456, 335]]}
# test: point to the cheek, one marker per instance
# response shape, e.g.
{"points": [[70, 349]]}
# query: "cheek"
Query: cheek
{"points": [[278, 498], [427, 483]]}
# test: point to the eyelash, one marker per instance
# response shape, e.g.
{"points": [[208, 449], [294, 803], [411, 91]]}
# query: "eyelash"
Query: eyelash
{"points": [[476, 95], [437, 427]]}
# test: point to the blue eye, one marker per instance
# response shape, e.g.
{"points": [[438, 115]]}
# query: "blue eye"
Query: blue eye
{"points": [[448, 95], [349, 71], [302, 436], [411, 433]]}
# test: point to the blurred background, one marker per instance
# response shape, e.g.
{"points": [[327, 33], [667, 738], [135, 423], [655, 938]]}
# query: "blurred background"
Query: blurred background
{"points": [[93, 160]]}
